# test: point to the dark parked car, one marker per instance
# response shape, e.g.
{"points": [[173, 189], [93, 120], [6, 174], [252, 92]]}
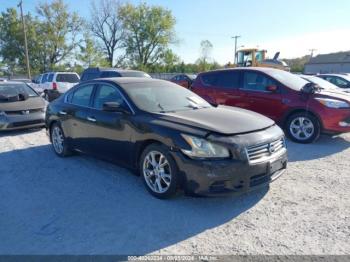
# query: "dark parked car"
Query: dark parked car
{"points": [[340, 80], [20, 107], [99, 72], [301, 107], [171, 135], [184, 80]]}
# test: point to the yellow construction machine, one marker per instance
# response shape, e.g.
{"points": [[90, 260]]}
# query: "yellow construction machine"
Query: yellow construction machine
{"points": [[254, 57]]}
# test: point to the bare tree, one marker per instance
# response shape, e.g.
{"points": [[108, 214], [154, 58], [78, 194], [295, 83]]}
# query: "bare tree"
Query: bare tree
{"points": [[107, 27], [206, 49]]}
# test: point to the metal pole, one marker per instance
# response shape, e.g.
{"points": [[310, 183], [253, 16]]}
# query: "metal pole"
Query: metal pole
{"points": [[312, 52], [25, 40], [236, 37]]}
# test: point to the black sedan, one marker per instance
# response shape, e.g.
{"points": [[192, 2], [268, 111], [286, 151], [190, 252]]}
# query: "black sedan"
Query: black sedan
{"points": [[20, 107], [174, 138]]}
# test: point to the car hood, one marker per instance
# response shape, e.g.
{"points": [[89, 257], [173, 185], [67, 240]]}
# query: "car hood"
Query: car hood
{"points": [[222, 119], [30, 103], [337, 94]]}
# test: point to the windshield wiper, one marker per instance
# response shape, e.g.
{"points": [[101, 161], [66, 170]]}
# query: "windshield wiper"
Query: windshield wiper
{"points": [[160, 106]]}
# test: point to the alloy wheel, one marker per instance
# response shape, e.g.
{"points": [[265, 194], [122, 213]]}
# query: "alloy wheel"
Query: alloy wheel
{"points": [[157, 172], [57, 139], [302, 128]]}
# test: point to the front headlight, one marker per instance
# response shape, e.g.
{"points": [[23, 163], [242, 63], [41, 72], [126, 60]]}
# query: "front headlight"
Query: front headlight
{"points": [[202, 148], [333, 103]]}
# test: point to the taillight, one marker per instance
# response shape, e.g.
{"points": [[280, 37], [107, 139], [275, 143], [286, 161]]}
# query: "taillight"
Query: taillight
{"points": [[54, 86]]}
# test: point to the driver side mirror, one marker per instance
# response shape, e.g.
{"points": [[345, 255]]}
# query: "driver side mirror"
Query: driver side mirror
{"points": [[272, 88], [114, 107]]}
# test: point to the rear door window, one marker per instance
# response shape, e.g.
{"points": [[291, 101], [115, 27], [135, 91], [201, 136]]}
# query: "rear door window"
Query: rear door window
{"points": [[50, 77], [228, 79], [82, 96], [44, 79], [67, 78], [209, 79], [256, 81]]}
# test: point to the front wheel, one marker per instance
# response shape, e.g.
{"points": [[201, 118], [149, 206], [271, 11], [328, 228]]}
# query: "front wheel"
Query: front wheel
{"points": [[303, 128], [159, 171]]}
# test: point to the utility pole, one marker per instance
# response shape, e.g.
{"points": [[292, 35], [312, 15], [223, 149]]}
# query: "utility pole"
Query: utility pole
{"points": [[236, 37], [25, 39], [312, 50]]}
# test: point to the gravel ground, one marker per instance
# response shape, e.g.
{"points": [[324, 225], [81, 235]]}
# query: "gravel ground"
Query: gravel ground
{"points": [[80, 205]]}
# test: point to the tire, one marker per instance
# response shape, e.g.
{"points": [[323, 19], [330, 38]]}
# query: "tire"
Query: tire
{"points": [[303, 128], [167, 175], [59, 142]]}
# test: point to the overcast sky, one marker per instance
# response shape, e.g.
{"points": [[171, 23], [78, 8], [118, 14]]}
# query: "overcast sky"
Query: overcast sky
{"points": [[292, 27]]}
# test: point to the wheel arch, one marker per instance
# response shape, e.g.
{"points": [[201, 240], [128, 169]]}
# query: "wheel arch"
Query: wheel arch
{"points": [[50, 127], [300, 110], [142, 146]]}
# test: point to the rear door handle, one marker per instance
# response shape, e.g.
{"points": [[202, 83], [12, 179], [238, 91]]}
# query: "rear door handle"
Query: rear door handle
{"points": [[91, 119], [62, 112]]}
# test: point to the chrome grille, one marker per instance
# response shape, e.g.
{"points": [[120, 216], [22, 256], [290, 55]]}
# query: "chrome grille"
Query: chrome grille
{"points": [[262, 152]]}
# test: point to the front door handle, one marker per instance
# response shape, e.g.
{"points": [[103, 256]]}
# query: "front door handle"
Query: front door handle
{"points": [[91, 119], [62, 113]]}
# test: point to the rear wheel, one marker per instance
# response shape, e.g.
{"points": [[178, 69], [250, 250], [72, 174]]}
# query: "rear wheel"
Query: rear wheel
{"points": [[59, 142], [303, 128], [159, 171]]}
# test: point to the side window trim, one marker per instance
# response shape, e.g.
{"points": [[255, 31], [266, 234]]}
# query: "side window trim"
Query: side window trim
{"points": [[97, 85]]}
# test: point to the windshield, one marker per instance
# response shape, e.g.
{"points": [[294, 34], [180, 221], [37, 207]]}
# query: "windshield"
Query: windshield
{"points": [[14, 89], [288, 79], [163, 97], [320, 82], [67, 78], [346, 77]]}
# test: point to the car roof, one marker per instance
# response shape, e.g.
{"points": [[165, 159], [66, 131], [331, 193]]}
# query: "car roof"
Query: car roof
{"points": [[59, 73], [261, 69], [126, 82], [130, 80]]}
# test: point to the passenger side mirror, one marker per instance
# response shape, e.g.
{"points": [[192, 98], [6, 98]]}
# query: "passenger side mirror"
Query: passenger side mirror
{"points": [[272, 88], [114, 107]]}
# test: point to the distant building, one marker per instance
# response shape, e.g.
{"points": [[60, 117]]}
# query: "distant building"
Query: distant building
{"points": [[329, 63]]}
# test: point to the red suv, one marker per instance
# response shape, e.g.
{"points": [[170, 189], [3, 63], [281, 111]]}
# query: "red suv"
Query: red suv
{"points": [[304, 109]]}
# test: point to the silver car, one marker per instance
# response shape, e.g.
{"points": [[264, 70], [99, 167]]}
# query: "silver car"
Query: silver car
{"points": [[20, 107]]}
